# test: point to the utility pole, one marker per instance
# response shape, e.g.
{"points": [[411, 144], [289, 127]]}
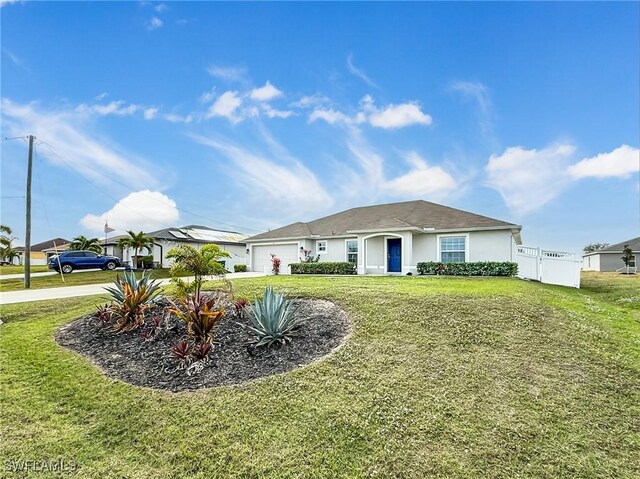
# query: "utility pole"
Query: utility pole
{"points": [[27, 234]]}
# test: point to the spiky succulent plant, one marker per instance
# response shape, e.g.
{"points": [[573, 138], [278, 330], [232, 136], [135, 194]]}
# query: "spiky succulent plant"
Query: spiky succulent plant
{"points": [[272, 320]]}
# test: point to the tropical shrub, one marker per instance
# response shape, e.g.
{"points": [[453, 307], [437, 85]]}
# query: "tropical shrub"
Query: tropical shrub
{"points": [[197, 263], [275, 264], [131, 299], [480, 268], [272, 320], [306, 256], [324, 268], [182, 351], [104, 314], [7, 251], [239, 268], [240, 305], [201, 351], [199, 315], [147, 261]]}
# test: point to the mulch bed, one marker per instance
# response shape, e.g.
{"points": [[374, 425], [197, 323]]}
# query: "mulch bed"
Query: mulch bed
{"points": [[129, 357]]}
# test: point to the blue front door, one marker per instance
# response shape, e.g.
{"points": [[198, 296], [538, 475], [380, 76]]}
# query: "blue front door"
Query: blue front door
{"points": [[394, 255]]}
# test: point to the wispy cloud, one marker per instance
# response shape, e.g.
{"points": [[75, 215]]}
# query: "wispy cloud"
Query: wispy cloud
{"points": [[621, 162], [119, 108], [17, 61], [308, 101], [359, 72], [4, 3], [160, 7], [154, 23], [479, 93], [289, 186], [67, 131], [228, 73]]}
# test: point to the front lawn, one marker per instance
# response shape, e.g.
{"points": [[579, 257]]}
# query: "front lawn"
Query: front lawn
{"points": [[442, 377], [74, 279], [18, 269]]}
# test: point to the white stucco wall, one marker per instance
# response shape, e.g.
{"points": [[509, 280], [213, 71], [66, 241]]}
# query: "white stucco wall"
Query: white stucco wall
{"points": [[591, 262], [490, 246]]}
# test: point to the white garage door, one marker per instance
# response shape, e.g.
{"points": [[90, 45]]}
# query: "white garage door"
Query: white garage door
{"points": [[261, 259]]}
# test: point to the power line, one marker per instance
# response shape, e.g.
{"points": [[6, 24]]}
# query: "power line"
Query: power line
{"points": [[15, 138], [59, 155]]}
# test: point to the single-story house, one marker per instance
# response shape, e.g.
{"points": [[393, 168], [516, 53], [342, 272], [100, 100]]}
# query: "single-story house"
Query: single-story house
{"points": [[610, 258], [41, 252], [388, 239], [193, 235]]}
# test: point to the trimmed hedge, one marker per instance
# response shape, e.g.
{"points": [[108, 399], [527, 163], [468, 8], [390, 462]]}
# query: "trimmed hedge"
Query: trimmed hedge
{"points": [[480, 268], [239, 268], [323, 268]]}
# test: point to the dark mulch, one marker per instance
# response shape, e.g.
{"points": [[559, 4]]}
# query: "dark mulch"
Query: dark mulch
{"points": [[128, 357]]}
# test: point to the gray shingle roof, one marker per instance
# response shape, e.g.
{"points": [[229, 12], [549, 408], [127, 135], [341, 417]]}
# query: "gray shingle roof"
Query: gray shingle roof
{"points": [[409, 214], [634, 244]]}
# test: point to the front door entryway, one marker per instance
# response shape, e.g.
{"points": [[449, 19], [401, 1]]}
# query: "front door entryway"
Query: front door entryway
{"points": [[394, 255]]}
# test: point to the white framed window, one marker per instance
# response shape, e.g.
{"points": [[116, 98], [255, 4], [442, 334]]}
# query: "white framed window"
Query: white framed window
{"points": [[351, 247], [632, 262], [453, 249], [321, 246]]}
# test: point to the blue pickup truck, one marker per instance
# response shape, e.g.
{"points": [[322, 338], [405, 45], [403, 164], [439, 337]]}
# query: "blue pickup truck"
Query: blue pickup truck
{"points": [[70, 260]]}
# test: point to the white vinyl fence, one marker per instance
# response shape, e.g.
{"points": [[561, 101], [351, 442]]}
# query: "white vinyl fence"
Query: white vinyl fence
{"points": [[551, 267]]}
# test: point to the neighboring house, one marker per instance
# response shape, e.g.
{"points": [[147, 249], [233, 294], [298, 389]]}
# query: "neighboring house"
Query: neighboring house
{"points": [[610, 258], [41, 252], [193, 235], [389, 239]]}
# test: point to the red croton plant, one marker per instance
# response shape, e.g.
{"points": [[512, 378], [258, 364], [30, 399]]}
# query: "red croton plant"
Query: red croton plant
{"points": [[275, 264]]}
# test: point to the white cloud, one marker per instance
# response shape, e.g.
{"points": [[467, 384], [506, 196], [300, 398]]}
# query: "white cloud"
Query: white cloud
{"points": [[330, 116], [236, 74], [208, 96], [273, 113], [67, 133], [621, 162], [160, 7], [101, 96], [358, 72], [390, 117], [265, 93], [113, 108], [422, 181], [529, 179], [175, 118], [154, 23], [310, 100], [150, 113], [140, 211], [226, 105], [8, 2], [398, 116], [289, 186]]}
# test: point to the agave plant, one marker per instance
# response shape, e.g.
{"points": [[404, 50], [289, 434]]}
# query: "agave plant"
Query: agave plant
{"points": [[272, 320], [131, 298], [200, 316]]}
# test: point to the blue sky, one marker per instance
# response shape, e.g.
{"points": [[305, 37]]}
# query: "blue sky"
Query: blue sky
{"points": [[250, 116]]}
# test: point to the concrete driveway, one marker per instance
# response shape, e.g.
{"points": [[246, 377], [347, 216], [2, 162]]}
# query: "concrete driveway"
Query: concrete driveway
{"points": [[25, 296]]}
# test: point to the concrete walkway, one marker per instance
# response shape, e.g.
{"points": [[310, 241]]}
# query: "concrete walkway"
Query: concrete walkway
{"points": [[25, 296]]}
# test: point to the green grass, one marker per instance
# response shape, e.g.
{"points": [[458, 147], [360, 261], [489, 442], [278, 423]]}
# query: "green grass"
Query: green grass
{"points": [[73, 279], [20, 269], [441, 377]]}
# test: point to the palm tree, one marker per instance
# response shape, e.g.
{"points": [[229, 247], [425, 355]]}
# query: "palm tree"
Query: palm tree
{"points": [[137, 241], [85, 244], [199, 263], [6, 247]]}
